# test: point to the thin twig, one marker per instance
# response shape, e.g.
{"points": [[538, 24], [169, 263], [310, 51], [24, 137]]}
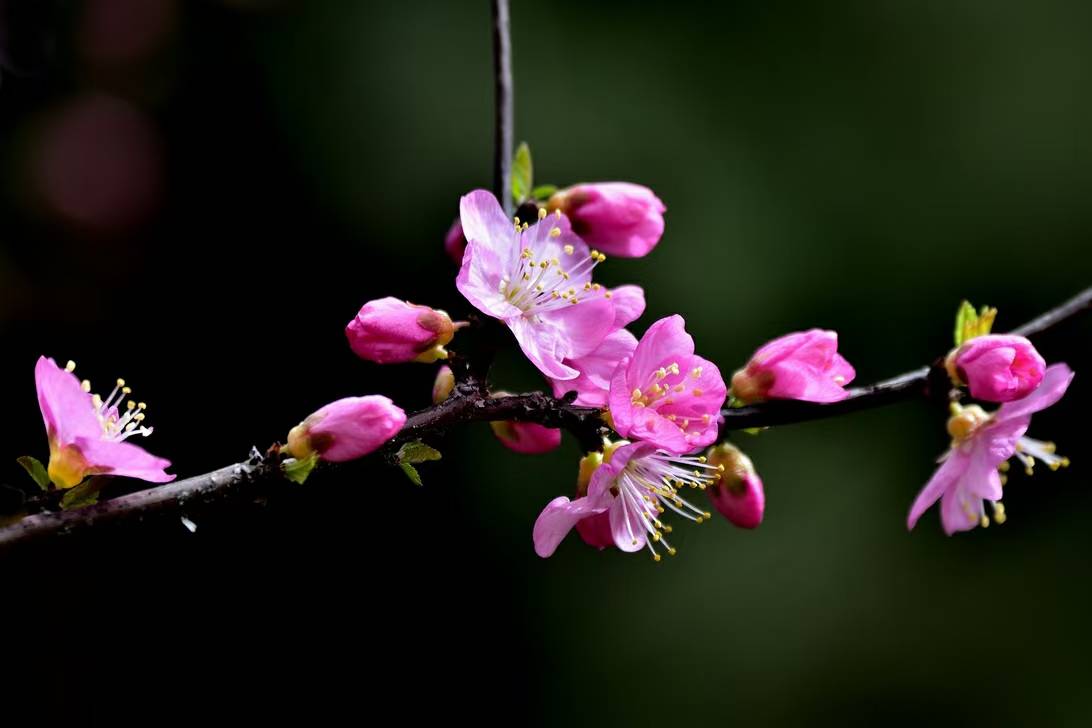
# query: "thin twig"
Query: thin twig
{"points": [[504, 131]]}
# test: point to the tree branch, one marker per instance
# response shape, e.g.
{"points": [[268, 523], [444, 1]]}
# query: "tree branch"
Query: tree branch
{"points": [[470, 403], [504, 124]]}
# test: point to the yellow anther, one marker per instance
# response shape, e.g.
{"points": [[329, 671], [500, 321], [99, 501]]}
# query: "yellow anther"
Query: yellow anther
{"points": [[524, 228], [121, 382], [1004, 479], [656, 557], [608, 294], [70, 366], [696, 372], [85, 385], [569, 250], [671, 550], [555, 232], [542, 213], [142, 405], [96, 401], [517, 221], [1004, 466], [126, 390], [984, 521], [674, 368], [698, 392], [1030, 470], [699, 519], [139, 417], [130, 405], [557, 214], [655, 535]]}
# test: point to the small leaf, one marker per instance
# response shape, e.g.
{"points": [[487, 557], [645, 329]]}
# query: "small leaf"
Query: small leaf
{"points": [[965, 323], [522, 174], [83, 495], [36, 471], [543, 192], [986, 315], [298, 470], [411, 473], [417, 452]]}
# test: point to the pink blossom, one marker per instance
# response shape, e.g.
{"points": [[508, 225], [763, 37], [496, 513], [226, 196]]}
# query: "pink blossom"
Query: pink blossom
{"points": [[391, 331], [620, 218], [528, 438], [633, 487], [998, 368], [536, 278], [665, 394], [592, 385], [804, 365], [455, 242], [738, 492], [346, 429], [981, 445], [87, 433]]}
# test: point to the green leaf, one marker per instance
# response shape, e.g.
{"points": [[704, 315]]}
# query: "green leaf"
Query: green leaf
{"points": [[35, 470], [83, 495], [411, 473], [417, 452], [298, 470], [543, 192], [965, 322], [522, 174]]}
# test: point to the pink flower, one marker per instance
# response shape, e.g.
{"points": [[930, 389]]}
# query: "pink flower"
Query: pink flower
{"points": [[622, 219], [528, 438], [738, 493], [665, 394], [997, 368], [981, 444], [536, 279], [633, 487], [592, 385], [87, 433], [346, 429], [391, 331], [804, 365], [455, 242]]}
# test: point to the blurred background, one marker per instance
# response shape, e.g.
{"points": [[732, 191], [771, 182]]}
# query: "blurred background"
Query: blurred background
{"points": [[197, 196]]}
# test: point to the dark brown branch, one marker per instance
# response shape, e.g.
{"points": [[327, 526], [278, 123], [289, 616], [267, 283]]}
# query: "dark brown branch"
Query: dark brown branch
{"points": [[504, 125], [470, 403], [920, 382]]}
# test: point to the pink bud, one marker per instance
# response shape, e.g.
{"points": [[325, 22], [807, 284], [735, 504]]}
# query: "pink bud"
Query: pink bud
{"points": [[738, 494], [346, 429], [619, 218], [595, 529], [444, 384], [998, 368], [455, 242], [804, 365], [527, 438], [391, 331]]}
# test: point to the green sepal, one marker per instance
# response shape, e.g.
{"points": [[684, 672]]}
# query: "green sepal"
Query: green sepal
{"points": [[412, 453], [35, 470], [543, 192], [971, 324], [297, 470], [522, 174], [83, 495]]}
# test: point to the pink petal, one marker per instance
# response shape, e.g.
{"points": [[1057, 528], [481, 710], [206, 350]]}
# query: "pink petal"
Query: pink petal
{"points": [[124, 459], [581, 328], [626, 527], [943, 479], [664, 339], [479, 281], [66, 409], [629, 304], [559, 517], [539, 344], [1056, 380], [485, 225], [596, 369]]}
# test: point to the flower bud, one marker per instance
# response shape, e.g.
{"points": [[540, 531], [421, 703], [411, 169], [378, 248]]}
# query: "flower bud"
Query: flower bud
{"points": [[391, 331], [997, 368], [804, 365], [346, 429], [965, 420], [444, 384], [618, 218], [738, 494], [527, 438], [455, 242], [594, 530]]}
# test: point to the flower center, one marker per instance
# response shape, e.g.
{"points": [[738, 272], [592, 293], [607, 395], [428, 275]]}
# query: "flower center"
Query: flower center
{"points": [[650, 485], [537, 286], [661, 387], [120, 416]]}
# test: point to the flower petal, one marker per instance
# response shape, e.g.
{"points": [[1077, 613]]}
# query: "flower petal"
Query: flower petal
{"points": [[943, 480], [124, 459], [1056, 380], [558, 518], [629, 304], [66, 409]]}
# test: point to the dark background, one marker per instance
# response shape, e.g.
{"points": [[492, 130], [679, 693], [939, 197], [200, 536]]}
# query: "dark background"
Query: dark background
{"points": [[198, 196]]}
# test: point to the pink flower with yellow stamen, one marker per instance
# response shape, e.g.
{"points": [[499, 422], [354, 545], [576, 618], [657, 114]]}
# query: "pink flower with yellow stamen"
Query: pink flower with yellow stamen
{"points": [[664, 393], [87, 434], [535, 277]]}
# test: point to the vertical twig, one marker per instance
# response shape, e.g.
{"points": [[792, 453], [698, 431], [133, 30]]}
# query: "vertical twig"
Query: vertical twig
{"points": [[503, 138]]}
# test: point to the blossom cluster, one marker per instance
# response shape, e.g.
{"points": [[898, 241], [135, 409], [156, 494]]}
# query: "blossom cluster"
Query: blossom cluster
{"points": [[660, 402]]}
